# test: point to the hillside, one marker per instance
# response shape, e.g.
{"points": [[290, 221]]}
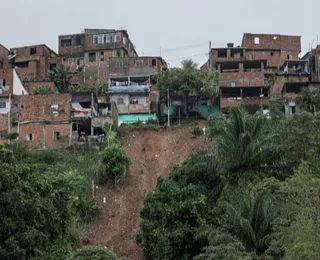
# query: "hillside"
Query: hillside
{"points": [[152, 154]]}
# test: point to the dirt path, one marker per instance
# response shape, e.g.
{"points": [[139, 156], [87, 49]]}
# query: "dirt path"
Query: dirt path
{"points": [[152, 155]]}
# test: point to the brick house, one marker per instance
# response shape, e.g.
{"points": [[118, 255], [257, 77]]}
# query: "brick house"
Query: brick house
{"points": [[132, 87], [250, 66], [43, 121], [32, 64], [87, 54], [10, 85]]}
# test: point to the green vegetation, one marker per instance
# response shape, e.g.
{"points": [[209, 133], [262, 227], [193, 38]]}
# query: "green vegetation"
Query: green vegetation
{"points": [[253, 195], [187, 80], [46, 200], [94, 253], [196, 131]]}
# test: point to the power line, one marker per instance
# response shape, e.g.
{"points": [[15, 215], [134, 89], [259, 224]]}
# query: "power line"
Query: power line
{"points": [[177, 48], [190, 56]]}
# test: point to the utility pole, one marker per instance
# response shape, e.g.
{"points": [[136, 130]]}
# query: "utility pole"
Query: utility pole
{"points": [[168, 107], [209, 56]]}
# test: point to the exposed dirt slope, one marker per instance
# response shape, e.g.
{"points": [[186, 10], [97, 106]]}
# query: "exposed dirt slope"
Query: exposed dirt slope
{"points": [[152, 155]]}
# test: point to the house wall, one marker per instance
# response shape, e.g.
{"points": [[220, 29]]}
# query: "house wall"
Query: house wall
{"points": [[7, 75], [37, 107], [241, 79], [277, 83], [43, 135], [32, 86], [122, 108]]}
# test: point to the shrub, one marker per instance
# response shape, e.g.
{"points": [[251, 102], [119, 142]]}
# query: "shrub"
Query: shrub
{"points": [[94, 253], [196, 131], [116, 163]]}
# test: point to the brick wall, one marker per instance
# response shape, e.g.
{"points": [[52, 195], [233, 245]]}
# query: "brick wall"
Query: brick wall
{"points": [[4, 63], [45, 135], [279, 80], [241, 79], [272, 42], [130, 62], [37, 107], [7, 75]]}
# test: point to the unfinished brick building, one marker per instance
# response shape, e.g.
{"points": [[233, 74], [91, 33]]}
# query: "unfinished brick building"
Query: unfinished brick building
{"points": [[43, 121], [32, 64], [87, 54], [246, 66]]}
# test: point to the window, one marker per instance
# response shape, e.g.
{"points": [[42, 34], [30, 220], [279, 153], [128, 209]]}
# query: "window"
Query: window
{"points": [[95, 39], [232, 84], [108, 38], [118, 53], [29, 137], [77, 40], [289, 57], [118, 37], [154, 62], [119, 64], [56, 135], [3, 105], [102, 56], [2, 83], [80, 62], [70, 61], [250, 56], [256, 40], [52, 66], [251, 83], [139, 63], [66, 43], [92, 57], [23, 64], [120, 101], [54, 109], [33, 50], [271, 53]]}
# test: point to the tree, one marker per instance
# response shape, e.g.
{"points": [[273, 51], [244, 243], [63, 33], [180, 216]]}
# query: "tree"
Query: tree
{"points": [[189, 64], [170, 217], [41, 90], [242, 142], [116, 164], [187, 79], [97, 88], [249, 214], [310, 100], [110, 133], [221, 245], [60, 77]]}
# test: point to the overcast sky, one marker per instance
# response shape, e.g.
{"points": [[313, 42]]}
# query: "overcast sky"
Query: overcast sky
{"points": [[180, 28]]}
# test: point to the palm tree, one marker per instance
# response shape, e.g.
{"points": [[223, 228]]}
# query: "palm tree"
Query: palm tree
{"points": [[189, 64], [250, 215], [243, 142]]}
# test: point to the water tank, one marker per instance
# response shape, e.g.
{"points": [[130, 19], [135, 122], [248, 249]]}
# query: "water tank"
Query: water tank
{"points": [[230, 45]]}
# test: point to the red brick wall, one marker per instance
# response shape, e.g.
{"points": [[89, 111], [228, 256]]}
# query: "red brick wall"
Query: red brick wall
{"points": [[279, 81], [272, 42], [4, 63], [43, 135], [7, 75], [37, 107], [130, 62], [241, 79]]}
